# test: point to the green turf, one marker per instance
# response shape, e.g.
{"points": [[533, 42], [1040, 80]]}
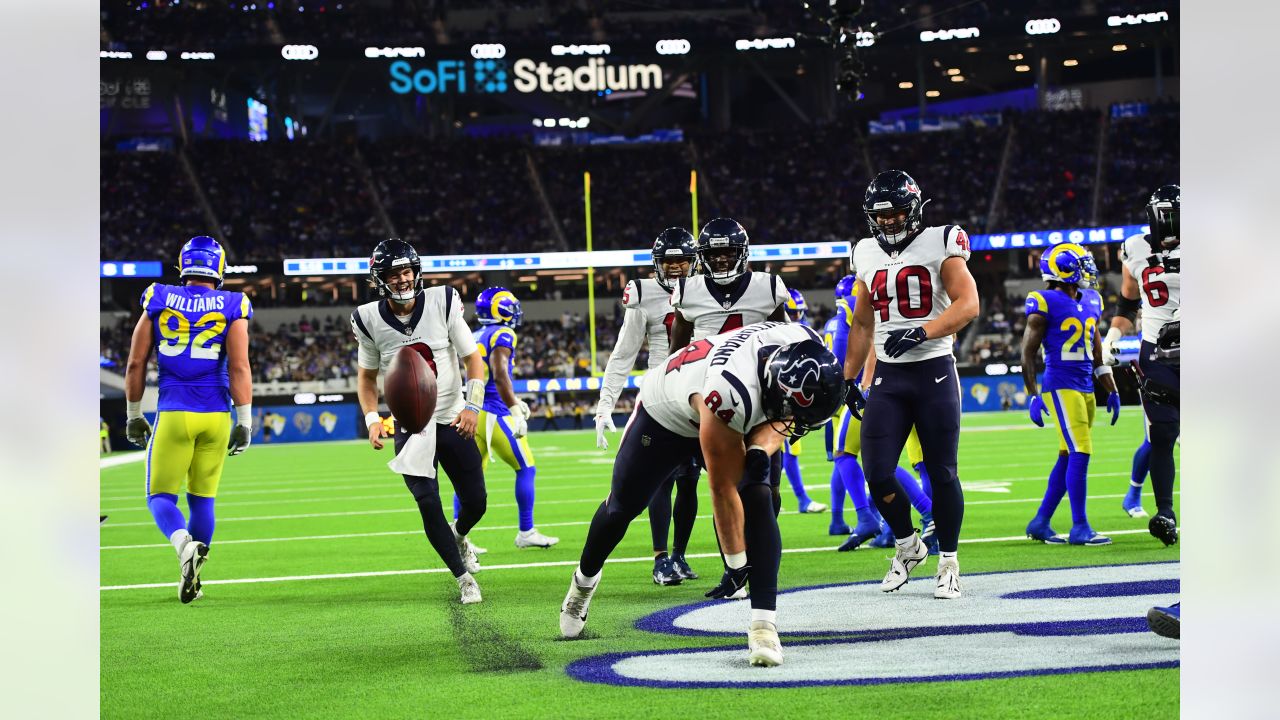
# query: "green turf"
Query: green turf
{"points": [[401, 645]]}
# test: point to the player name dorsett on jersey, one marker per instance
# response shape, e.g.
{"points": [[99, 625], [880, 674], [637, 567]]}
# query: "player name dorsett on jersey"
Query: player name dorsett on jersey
{"points": [[724, 369], [1159, 278], [904, 288], [190, 325], [435, 328], [714, 309], [654, 303]]}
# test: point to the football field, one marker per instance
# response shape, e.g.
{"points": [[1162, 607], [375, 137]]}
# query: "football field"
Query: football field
{"points": [[322, 598]]}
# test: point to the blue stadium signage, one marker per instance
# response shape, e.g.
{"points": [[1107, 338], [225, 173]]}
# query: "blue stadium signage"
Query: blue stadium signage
{"points": [[128, 268]]}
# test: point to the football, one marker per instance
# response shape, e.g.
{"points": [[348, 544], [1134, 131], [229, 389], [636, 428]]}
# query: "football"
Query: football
{"points": [[410, 390]]}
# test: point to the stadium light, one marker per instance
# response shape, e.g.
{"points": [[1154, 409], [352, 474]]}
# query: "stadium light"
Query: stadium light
{"points": [[1016, 56], [157, 55], [932, 93], [953, 71], [1070, 62], [906, 85], [1022, 68], [1119, 48], [957, 78]]}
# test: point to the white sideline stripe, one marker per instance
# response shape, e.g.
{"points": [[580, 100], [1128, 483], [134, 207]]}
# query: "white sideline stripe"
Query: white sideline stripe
{"points": [[511, 566], [125, 459], [570, 523]]}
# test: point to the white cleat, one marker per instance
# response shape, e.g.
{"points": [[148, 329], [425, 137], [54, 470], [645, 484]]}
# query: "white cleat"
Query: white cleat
{"points": [[191, 560], [469, 589], [573, 613], [741, 594], [477, 549], [948, 580], [815, 507], [533, 538], [903, 562], [1136, 512], [764, 649], [469, 561]]}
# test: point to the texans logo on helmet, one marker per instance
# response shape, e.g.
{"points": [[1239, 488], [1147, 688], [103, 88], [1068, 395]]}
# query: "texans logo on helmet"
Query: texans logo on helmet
{"points": [[794, 380], [911, 188]]}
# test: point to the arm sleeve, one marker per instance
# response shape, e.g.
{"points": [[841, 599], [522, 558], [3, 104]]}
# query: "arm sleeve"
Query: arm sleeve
{"points": [[459, 333], [957, 242], [630, 337], [1036, 304], [367, 355]]}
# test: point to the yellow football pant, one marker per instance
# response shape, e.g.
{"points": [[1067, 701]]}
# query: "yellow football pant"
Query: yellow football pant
{"points": [[188, 446]]}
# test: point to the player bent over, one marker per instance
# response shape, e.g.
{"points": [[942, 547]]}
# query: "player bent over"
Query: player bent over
{"points": [[201, 338], [731, 399], [1064, 318], [431, 322]]}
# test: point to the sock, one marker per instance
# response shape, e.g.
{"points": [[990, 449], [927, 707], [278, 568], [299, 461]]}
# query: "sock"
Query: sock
{"points": [[524, 495], [164, 508], [457, 507], [1141, 464], [791, 466], [904, 543], [660, 557], [1054, 492], [948, 557], [855, 483], [829, 438], [769, 616], [735, 560], [202, 522], [837, 497], [1077, 486], [925, 483], [948, 509], [583, 580], [919, 500], [179, 538]]}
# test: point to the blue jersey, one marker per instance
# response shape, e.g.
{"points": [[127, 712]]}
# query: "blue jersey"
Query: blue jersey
{"points": [[189, 325], [835, 334], [1068, 342], [489, 338]]}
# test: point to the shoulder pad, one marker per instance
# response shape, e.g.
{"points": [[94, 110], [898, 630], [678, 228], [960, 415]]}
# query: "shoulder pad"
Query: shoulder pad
{"points": [[1036, 303], [631, 294]]}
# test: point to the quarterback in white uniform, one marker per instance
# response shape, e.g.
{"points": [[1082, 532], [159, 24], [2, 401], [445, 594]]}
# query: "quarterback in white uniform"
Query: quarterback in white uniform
{"points": [[648, 319], [1152, 279], [914, 292], [731, 399], [431, 322]]}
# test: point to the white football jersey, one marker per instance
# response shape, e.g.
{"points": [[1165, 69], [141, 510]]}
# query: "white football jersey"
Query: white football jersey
{"points": [[725, 370], [1161, 296], [436, 329], [714, 308], [905, 287], [647, 318]]}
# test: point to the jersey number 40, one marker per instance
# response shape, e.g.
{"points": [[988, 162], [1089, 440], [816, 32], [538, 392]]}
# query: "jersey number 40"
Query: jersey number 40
{"points": [[880, 297]]}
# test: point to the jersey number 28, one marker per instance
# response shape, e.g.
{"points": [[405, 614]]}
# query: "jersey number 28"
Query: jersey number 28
{"points": [[880, 297]]}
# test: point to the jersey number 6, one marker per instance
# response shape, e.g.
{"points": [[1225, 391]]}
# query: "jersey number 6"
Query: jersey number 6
{"points": [[880, 297]]}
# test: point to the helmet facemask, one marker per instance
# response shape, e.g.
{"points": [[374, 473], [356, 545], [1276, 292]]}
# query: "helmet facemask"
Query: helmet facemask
{"points": [[668, 270], [723, 263], [396, 290]]}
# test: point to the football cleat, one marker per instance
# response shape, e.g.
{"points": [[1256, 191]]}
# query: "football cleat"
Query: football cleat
{"points": [[841, 528], [533, 538], [469, 589], [885, 539], [191, 559], [573, 612], [928, 534], [682, 568], [947, 580], [862, 533], [1084, 535], [1132, 503], [1039, 530], [814, 507], [478, 550], [469, 561], [664, 572], [102, 519], [764, 649], [1165, 621], [740, 594], [1164, 529], [904, 561]]}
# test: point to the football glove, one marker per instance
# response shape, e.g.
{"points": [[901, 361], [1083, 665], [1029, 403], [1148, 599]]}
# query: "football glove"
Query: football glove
{"points": [[1109, 347], [241, 436], [854, 398], [524, 408], [731, 582], [519, 425], [900, 342], [1037, 410], [604, 422], [1113, 406], [138, 430]]}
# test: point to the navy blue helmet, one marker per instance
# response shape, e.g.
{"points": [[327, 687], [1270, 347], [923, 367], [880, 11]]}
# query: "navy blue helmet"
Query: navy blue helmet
{"points": [[803, 386], [673, 244], [893, 205], [723, 249], [390, 255], [1163, 210]]}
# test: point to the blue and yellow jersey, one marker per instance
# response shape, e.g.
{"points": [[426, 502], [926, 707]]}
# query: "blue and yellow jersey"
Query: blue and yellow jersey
{"points": [[189, 324], [1068, 342], [489, 338]]}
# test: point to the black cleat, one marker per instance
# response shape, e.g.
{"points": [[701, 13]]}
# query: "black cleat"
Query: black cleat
{"points": [[1166, 621], [682, 568], [1164, 529], [664, 572]]}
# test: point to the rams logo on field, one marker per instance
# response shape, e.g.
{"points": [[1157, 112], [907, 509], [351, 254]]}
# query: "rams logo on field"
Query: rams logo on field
{"points": [[328, 421]]}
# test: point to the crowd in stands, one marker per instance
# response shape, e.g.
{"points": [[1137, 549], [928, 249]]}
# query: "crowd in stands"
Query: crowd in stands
{"points": [[1051, 171], [145, 204], [1142, 154]]}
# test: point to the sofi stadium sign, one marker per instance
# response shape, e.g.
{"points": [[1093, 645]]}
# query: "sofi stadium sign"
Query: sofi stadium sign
{"points": [[523, 75]]}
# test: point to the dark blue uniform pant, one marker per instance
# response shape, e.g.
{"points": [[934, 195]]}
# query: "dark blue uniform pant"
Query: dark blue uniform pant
{"points": [[1165, 425], [684, 482], [925, 394], [461, 460]]}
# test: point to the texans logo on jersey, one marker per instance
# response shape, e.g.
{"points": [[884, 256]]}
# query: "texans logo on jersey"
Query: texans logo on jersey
{"points": [[795, 380]]}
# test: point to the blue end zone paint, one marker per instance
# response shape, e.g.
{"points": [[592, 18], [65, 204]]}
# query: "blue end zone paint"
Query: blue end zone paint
{"points": [[1141, 587]]}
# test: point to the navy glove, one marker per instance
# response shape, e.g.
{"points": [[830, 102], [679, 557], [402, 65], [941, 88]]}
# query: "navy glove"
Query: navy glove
{"points": [[1113, 406], [854, 398], [731, 582], [1037, 410], [900, 342]]}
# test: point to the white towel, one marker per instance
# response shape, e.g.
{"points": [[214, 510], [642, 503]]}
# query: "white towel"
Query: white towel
{"points": [[418, 456]]}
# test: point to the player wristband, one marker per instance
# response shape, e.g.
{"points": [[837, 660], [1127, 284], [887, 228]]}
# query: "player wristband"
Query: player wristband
{"points": [[472, 407], [244, 415], [475, 393], [1101, 370], [372, 417], [133, 410]]}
